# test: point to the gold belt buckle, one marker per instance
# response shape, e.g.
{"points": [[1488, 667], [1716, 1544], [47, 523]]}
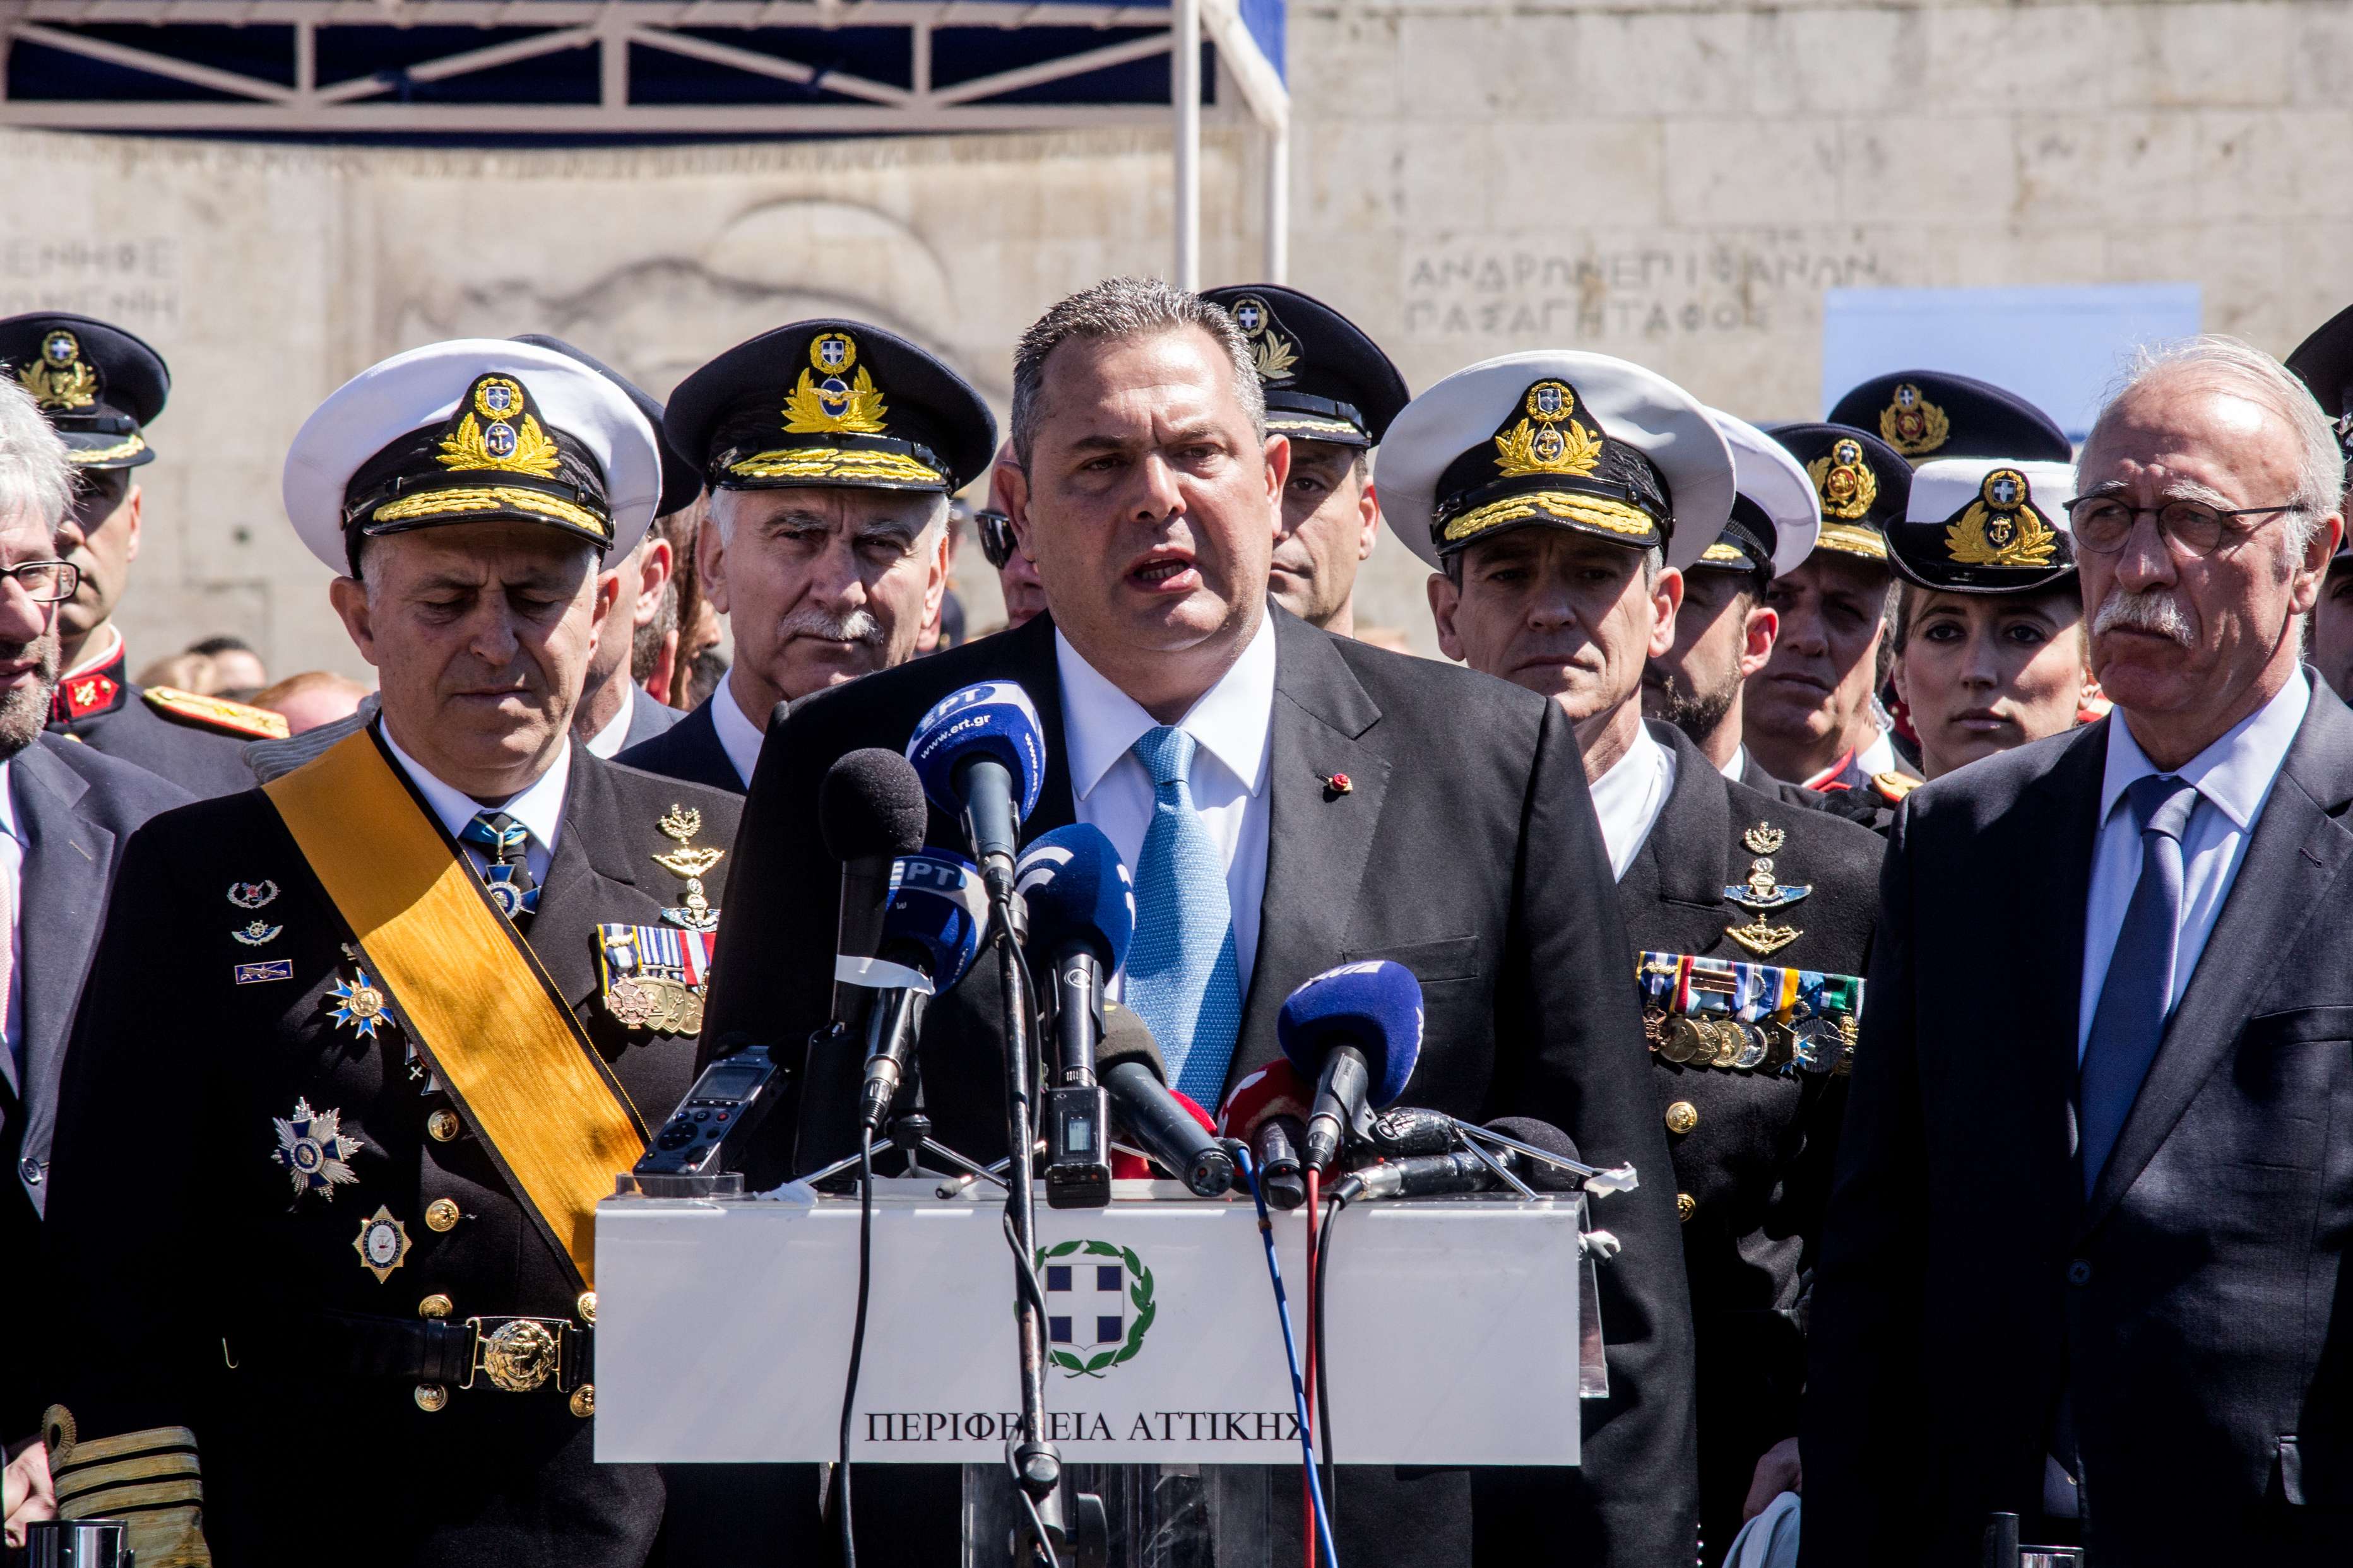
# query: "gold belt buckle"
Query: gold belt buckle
{"points": [[517, 1355]]}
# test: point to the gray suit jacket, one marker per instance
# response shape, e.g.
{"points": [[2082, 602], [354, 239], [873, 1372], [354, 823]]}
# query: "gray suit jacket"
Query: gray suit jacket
{"points": [[2191, 1305]]}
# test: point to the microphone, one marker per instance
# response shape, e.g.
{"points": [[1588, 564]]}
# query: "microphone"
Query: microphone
{"points": [[1268, 1110], [1430, 1175], [1081, 912], [870, 811], [981, 754], [931, 934], [1356, 1032], [1136, 1080]]}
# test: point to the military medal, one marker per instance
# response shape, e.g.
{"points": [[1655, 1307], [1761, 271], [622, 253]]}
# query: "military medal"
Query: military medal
{"points": [[257, 934], [654, 976], [314, 1151], [251, 895], [1683, 1040], [1655, 1026], [381, 1243], [358, 1003], [689, 865]]}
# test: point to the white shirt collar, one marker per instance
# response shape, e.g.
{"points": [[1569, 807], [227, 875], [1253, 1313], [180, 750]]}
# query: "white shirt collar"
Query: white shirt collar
{"points": [[2235, 772], [110, 644], [606, 741], [1627, 798], [1737, 766], [738, 736], [539, 807], [9, 800], [1231, 722]]}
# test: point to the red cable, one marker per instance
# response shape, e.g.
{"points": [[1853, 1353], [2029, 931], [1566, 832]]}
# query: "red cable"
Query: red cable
{"points": [[1307, 1315]]}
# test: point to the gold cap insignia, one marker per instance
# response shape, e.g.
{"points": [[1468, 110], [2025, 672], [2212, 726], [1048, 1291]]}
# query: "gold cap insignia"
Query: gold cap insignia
{"points": [[498, 433], [1912, 425], [1275, 355], [1537, 444], [834, 406], [60, 379], [2001, 528], [1845, 482]]}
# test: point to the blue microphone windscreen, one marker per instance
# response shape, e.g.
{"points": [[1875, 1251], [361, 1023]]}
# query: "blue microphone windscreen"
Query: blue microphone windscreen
{"points": [[1374, 1006], [994, 719], [1078, 890], [939, 904]]}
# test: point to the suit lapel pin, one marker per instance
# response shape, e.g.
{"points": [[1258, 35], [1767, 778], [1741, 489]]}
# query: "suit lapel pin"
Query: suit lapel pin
{"points": [[689, 865], [251, 895], [255, 933], [314, 1151], [1337, 785]]}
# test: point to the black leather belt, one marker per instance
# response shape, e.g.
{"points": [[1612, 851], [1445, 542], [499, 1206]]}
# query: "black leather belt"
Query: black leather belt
{"points": [[515, 1355]]}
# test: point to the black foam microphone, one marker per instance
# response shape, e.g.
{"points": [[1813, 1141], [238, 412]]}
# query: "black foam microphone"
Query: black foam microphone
{"points": [[870, 811], [1132, 1073], [1542, 1135], [1431, 1175]]}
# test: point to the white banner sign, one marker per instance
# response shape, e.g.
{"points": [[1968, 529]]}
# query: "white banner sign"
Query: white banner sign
{"points": [[724, 1331]]}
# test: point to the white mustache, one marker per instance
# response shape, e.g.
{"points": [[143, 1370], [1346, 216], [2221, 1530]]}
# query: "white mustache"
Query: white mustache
{"points": [[859, 626], [2149, 610]]}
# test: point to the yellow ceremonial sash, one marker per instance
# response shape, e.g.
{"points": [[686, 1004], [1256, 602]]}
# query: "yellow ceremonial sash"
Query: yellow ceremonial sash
{"points": [[476, 1001]]}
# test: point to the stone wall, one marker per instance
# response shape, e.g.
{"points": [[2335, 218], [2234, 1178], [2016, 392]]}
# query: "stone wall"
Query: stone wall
{"points": [[1675, 182]]}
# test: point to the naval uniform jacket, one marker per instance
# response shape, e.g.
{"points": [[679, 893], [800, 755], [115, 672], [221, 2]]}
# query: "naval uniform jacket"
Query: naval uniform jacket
{"points": [[2195, 1301], [1465, 847], [100, 707], [1755, 1162], [75, 809], [688, 750], [207, 1295]]}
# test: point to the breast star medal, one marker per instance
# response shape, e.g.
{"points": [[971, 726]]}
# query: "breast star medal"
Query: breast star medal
{"points": [[689, 865], [314, 1151], [357, 1003], [381, 1243]]}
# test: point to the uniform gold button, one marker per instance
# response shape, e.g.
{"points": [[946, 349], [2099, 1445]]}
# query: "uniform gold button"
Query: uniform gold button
{"points": [[587, 1305], [434, 1305], [1682, 1116], [441, 1213], [443, 1124], [583, 1401], [431, 1397], [1684, 1204]]}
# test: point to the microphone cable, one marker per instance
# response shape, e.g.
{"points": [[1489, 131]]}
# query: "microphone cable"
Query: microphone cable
{"points": [[1315, 1349], [857, 1335], [1319, 1521], [1315, 1337]]}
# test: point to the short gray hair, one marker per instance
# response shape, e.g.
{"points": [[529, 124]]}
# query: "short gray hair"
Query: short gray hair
{"points": [[1114, 310], [34, 473], [2245, 368]]}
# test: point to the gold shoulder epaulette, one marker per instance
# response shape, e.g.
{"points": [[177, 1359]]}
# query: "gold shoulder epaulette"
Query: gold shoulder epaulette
{"points": [[1895, 786], [217, 713]]}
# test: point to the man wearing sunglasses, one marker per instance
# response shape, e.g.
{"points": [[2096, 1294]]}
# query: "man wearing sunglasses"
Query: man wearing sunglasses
{"points": [[2082, 1253], [1016, 575], [65, 813], [100, 386]]}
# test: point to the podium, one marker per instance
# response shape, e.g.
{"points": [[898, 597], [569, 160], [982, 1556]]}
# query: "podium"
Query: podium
{"points": [[1455, 1333]]}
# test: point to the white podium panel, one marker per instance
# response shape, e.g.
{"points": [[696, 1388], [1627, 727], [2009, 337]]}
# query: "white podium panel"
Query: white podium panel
{"points": [[723, 1328]]}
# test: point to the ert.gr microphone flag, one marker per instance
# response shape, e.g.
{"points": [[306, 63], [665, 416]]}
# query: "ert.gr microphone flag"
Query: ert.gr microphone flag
{"points": [[1079, 894]]}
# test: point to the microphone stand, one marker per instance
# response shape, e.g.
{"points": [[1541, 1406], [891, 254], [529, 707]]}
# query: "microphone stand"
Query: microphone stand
{"points": [[1036, 1464]]}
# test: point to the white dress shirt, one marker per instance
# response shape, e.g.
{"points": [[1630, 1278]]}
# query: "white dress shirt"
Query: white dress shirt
{"points": [[1629, 796], [738, 736], [1737, 766], [2233, 777], [540, 807], [1879, 757], [607, 742], [12, 899], [1232, 728]]}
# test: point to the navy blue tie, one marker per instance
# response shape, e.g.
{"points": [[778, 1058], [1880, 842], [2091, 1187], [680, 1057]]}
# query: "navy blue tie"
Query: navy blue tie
{"points": [[2138, 995]]}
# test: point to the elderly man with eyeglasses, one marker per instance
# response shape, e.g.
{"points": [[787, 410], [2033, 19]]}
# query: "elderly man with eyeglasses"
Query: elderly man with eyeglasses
{"points": [[2081, 1257], [65, 810]]}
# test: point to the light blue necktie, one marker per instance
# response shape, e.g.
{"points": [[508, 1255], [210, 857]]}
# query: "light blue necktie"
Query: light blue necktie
{"points": [[1181, 977], [2138, 995]]}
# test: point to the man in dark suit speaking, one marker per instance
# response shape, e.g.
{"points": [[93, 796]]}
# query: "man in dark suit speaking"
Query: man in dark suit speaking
{"points": [[1330, 802], [2081, 1261]]}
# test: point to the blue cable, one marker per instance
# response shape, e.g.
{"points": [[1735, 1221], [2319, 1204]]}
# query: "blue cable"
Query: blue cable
{"points": [[1289, 1354]]}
